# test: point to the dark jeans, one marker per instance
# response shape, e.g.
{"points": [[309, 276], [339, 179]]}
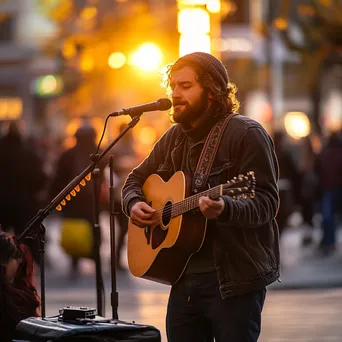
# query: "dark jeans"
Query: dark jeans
{"points": [[331, 205], [197, 313]]}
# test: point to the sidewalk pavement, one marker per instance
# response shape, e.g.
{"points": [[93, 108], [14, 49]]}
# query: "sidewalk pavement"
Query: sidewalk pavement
{"points": [[301, 267]]}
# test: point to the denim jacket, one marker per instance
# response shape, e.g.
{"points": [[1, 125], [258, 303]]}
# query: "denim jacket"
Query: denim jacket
{"points": [[246, 239]]}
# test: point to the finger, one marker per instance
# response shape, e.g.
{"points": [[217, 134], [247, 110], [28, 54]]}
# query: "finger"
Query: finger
{"points": [[203, 206], [146, 208], [215, 204], [141, 223], [204, 200], [143, 215]]}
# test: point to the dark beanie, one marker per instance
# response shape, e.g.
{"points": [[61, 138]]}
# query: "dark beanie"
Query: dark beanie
{"points": [[210, 64]]}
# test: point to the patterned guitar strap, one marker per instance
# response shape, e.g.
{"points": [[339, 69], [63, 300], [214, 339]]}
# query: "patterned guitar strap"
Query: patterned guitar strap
{"points": [[208, 154]]}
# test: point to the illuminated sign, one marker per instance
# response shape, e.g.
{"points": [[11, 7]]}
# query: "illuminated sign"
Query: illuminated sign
{"points": [[10, 108]]}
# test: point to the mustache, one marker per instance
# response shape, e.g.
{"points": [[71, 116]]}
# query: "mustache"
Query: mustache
{"points": [[178, 103]]}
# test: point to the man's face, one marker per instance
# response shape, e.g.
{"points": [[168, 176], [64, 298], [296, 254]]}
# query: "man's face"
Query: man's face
{"points": [[188, 97]]}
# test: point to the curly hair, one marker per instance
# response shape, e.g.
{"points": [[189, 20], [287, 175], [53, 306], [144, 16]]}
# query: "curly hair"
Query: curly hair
{"points": [[226, 99]]}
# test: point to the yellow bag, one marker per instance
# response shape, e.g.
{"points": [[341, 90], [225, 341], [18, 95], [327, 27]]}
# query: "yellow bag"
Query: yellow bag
{"points": [[77, 237]]}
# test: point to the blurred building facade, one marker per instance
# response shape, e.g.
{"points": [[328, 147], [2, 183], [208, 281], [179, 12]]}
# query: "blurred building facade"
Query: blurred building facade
{"points": [[285, 57], [22, 32], [88, 52], [259, 63]]}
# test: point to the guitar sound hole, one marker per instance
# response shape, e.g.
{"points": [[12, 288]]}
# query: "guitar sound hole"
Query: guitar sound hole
{"points": [[167, 214], [159, 234]]}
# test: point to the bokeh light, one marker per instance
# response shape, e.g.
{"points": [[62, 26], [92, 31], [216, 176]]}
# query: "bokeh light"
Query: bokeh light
{"points": [[116, 60], [194, 20], [297, 124], [148, 57], [88, 13], [214, 6], [192, 43], [86, 62], [147, 135]]}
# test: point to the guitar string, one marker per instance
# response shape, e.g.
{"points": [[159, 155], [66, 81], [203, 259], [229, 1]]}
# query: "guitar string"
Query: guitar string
{"points": [[193, 200], [177, 208]]}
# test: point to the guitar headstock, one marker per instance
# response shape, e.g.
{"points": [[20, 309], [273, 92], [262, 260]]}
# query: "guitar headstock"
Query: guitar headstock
{"points": [[242, 186]]}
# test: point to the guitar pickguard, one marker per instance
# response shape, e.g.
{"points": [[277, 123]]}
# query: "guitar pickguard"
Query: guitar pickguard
{"points": [[158, 236]]}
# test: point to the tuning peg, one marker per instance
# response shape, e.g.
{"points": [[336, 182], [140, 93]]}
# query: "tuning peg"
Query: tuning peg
{"points": [[252, 194], [244, 196]]}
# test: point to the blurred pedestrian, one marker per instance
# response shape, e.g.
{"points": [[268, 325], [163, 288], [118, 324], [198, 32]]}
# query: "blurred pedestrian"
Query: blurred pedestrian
{"points": [[330, 174], [308, 187], [80, 208], [288, 181], [21, 180], [18, 295], [125, 159]]}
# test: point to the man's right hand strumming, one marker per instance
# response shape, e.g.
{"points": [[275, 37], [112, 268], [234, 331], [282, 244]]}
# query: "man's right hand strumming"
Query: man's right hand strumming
{"points": [[141, 214]]}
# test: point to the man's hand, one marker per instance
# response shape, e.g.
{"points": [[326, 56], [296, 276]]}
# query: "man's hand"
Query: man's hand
{"points": [[141, 214], [210, 208]]}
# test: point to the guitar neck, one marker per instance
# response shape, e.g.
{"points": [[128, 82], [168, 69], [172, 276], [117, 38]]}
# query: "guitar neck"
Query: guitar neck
{"points": [[192, 202]]}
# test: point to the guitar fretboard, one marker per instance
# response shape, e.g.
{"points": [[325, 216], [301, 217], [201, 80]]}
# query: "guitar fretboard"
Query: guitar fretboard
{"points": [[192, 202]]}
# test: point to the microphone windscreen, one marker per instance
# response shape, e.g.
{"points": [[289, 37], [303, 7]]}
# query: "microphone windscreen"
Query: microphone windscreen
{"points": [[164, 104]]}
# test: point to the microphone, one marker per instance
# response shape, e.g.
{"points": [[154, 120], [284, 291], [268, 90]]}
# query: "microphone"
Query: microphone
{"points": [[161, 104]]}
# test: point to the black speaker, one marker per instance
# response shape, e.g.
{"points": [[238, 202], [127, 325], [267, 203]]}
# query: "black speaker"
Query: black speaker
{"points": [[86, 330]]}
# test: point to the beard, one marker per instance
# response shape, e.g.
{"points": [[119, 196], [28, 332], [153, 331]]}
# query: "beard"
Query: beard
{"points": [[189, 113]]}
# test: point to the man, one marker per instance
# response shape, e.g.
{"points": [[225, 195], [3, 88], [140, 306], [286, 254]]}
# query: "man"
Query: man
{"points": [[69, 165], [329, 170], [22, 180], [222, 291]]}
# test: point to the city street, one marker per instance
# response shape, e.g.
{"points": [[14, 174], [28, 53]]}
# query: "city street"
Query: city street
{"points": [[75, 76], [305, 306], [303, 316]]}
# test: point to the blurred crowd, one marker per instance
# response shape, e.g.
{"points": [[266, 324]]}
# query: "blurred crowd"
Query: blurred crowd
{"points": [[32, 174], [311, 183]]}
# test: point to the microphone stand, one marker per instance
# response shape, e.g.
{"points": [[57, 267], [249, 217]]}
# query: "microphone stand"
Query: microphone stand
{"points": [[114, 298], [97, 242], [34, 226]]}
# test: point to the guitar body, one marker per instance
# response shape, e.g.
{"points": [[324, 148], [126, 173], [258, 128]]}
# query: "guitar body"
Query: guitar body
{"points": [[162, 251]]}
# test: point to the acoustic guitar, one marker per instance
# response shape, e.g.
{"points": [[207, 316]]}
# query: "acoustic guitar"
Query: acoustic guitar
{"points": [[160, 252]]}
